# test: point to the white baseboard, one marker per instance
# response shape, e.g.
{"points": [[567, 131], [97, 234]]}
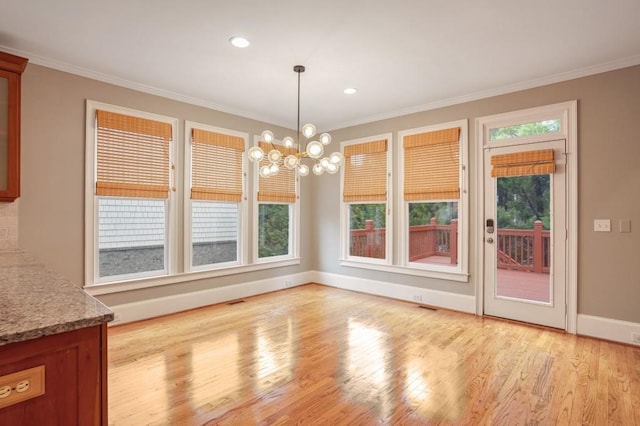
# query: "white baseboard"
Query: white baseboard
{"points": [[136, 311], [603, 328], [442, 299], [608, 329], [145, 309]]}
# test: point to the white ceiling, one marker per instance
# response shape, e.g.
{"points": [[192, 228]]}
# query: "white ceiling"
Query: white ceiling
{"points": [[402, 55]]}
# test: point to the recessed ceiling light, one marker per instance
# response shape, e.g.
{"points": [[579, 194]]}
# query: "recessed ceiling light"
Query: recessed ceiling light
{"points": [[240, 42], [350, 90]]}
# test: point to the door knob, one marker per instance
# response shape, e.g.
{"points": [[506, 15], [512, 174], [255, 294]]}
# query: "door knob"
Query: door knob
{"points": [[490, 240]]}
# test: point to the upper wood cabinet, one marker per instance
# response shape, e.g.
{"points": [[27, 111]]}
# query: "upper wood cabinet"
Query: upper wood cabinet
{"points": [[11, 68]]}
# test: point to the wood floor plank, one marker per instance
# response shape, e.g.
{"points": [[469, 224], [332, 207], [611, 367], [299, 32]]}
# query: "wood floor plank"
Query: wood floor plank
{"points": [[318, 355], [633, 360]]}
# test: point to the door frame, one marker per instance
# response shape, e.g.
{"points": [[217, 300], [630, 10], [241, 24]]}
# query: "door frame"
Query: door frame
{"points": [[567, 113]]}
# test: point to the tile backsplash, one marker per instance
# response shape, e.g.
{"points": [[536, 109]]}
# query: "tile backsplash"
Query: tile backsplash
{"points": [[9, 225]]}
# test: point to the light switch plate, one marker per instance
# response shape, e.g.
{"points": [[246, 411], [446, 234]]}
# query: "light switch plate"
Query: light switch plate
{"points": [[602, 225], [625, 225]]}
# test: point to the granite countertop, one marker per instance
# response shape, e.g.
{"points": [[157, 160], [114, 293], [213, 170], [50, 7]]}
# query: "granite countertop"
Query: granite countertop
{"points": [[36, 302]]}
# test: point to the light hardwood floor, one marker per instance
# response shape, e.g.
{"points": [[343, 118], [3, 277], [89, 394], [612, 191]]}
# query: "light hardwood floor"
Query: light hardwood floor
{"points": [[319, 355]]}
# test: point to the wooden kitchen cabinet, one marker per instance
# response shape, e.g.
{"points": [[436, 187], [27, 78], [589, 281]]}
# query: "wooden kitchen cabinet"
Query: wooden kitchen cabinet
{"points": [[75, 382], [11, 68], [53, 347]]}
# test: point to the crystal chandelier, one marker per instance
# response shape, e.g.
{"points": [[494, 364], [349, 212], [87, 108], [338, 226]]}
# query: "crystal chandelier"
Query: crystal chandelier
{"points": [[313, 150]]}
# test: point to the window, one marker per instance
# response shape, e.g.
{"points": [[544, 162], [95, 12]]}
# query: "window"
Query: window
{"points": [[131, 235], [215, 209], [276, 211], [526, 129], [134, 236], [131, 194], [433, 203], [365, 193], [273, 230]]}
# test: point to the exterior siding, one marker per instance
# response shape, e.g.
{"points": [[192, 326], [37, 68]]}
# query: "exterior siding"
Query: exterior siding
{"points": [[127, 223]]}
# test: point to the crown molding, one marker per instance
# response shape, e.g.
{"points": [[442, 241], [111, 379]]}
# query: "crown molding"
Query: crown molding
{"points": [[483, 94], [502, 90], [140, 87]]}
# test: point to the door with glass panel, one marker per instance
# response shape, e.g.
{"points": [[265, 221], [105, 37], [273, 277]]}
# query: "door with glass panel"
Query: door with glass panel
{"points": [[525, 233]]}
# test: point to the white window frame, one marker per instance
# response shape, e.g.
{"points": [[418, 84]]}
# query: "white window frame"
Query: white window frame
{"points": [[294, 222], [360, 261], [459, 272], [91, 200], [243, 210]]}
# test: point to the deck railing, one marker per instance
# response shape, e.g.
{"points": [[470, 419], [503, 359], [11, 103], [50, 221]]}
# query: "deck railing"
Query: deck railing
{"points": [[424, 241], [368, 242], [518, 249], [524, 249], [434, 240]]}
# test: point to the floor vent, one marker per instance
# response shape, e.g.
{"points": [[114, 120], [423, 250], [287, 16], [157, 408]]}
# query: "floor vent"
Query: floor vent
{"points": [[235, 302], [427, 307]]}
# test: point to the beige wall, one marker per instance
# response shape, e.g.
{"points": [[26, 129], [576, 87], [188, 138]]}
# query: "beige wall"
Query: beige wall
{"points": [[51, 214], [53, 147], [609, 179]]}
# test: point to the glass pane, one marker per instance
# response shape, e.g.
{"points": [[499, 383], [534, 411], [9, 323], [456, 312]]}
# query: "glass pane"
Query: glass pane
{"points": [[523, 237], [131, 235], [527, 129], [4, 132], [367, 230], [273, 230], [433, 233], [214, 232]]}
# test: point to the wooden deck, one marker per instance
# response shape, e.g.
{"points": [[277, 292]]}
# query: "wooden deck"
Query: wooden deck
{"points": [[517, 284], [523, 285]]}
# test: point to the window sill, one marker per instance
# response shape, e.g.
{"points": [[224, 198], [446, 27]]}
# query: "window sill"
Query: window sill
{"points": [[120, 286], [442, 275]]}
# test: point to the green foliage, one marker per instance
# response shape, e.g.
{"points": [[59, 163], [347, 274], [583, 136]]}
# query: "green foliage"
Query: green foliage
{"points": [[359, 213], [273, 230], [522, 200], [541, 127], [421, 213]]}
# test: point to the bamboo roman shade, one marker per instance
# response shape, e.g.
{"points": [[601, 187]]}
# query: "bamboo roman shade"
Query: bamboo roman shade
{"points": [[216, 166], [280, 188], [132, 156], [523, 163], [432, 165], [365, 172]]}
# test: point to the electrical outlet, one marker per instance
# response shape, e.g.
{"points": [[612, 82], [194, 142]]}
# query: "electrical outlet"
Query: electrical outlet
{"points": [[417, 298], [21, 386], [635, 338]]}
